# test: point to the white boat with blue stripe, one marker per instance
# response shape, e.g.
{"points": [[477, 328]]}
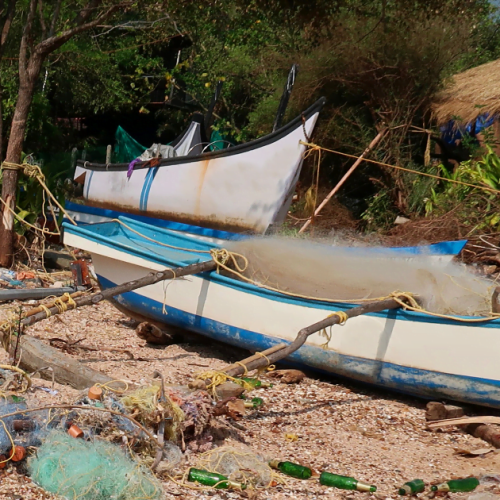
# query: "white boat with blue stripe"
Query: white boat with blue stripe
{"points": [[406, 351], [248, 187]]}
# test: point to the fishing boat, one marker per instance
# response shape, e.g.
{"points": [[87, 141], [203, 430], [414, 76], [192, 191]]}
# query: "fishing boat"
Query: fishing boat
{"points": [[83, 215], [248, 187], [410, 352]]}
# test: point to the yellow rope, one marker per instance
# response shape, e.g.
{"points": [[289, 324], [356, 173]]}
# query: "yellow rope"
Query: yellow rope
{"points": [[328, 334], [397, 167], [222, 257], [12, 444], [106, 386], [218, 378], [245, 372], [45, 309], [20, 219], [35, 172], [22, 372]]}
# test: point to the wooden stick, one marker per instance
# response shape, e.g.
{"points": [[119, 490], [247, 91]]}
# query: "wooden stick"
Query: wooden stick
{"points": [[376, 306], [341, 182], [463, 421], [109, 293]]}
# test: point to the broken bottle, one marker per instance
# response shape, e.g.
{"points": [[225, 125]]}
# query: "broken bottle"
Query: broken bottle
{"points": [[457, 485], [291, 469], [412, 487]]}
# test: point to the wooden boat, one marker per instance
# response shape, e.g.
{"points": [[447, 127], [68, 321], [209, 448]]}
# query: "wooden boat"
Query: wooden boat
{"points": [[400, 350], [243, 188], [83, 214]]}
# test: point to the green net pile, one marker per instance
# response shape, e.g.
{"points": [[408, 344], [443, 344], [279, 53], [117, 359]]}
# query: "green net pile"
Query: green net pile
{"points": [[77, 469], [126, 147]]}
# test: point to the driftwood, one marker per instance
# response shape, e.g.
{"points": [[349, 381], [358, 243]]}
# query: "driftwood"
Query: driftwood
{"points": [[477, 426], [258, 361], [440, 411], [36, 356]]}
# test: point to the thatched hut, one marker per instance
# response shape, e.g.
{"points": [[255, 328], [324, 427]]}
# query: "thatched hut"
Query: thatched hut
{"points": [[471, 100]]}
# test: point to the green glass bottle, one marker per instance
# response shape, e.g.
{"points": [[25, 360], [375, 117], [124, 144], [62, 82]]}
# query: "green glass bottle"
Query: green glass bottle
{"points": [[255, 382], [213, 479], [345, 482], [457, 485], [412, 487], [291, 469], [254, 403]]}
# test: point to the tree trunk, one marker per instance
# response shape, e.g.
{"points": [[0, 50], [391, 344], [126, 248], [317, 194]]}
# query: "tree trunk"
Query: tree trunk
{"points": [[14, 151]]}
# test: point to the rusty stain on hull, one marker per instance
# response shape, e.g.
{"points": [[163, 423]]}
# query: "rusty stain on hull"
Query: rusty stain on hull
{"points": [[211, 222], [203, 173]]}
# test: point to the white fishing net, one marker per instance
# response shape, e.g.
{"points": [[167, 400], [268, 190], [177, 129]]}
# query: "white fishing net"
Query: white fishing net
{"points": [[321, 270]]}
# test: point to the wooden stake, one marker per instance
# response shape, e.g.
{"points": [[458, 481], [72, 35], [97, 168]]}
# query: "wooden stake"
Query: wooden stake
{"points": [[341, 182]]}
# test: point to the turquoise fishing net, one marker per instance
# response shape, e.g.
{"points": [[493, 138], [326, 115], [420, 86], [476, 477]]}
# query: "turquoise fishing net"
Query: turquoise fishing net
{"points": [[126, 147], [98, 470]]}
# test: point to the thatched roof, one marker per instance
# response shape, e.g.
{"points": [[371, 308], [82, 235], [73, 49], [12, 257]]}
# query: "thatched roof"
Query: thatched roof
{"points": [[469, 94]]}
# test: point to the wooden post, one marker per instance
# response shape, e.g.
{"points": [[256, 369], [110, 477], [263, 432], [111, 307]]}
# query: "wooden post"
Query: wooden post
{"points": [[9, 188], [341, 182], [108, 154]]}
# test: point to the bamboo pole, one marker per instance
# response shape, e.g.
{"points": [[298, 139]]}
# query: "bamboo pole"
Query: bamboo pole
{"points": [[342, 181]]}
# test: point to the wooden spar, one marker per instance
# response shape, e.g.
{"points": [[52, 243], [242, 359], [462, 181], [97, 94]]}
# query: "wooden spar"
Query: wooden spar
{"points": [[341, 182], [64, 298], [260, 361], [109, 293]]}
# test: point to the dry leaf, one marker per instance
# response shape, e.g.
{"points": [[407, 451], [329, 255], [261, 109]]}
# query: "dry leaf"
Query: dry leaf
{"points": [[473, 453]]}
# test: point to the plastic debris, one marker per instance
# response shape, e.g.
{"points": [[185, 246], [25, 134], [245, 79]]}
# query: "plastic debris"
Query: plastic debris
{"points": [[98, 470]]}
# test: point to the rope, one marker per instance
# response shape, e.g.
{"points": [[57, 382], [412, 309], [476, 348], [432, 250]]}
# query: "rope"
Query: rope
{"points": [[218, 378], [20, 219], [222, 256], [245, 372], [35, 172], [397, 167], [22, 372], [106, 386], [46, 310], [342, 321]]}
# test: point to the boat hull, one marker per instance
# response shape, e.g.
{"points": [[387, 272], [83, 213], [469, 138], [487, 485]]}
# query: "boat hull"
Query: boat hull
{"points": [[403, 351], [243, 188]]}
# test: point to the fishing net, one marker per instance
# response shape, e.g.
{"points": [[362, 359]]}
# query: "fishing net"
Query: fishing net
{"points": [[77, 469], [321, 270], [126, 147], [239, 465]]}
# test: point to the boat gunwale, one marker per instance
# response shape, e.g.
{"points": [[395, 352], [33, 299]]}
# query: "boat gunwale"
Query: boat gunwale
{"points": [[241, 148], [245, 287]]}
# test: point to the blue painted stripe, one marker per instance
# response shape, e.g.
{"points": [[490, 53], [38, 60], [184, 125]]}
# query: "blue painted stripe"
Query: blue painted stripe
{"points": [[154, 171], [88, 184], [144, 189], [409, 380]]}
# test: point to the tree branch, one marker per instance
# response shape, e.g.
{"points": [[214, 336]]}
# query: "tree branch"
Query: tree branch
{"points": [[54, 42], [42, 20], [7, 23], [55, 17], [23, 49]]}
